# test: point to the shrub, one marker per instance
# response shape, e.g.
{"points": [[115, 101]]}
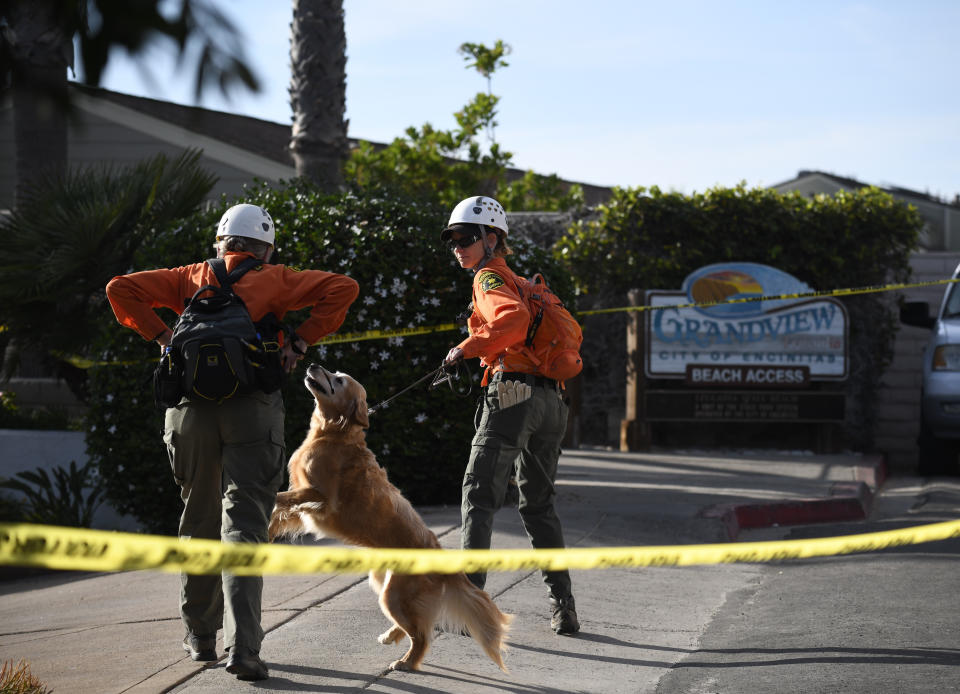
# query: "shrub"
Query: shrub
{"points": [[386, 241], [648, 238]]}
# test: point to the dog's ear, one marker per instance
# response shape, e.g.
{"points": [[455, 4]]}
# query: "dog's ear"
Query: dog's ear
{"points": [[360, 413]]}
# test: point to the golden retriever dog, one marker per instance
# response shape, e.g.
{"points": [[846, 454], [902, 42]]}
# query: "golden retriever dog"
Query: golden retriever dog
{"points": [[337, 489]]}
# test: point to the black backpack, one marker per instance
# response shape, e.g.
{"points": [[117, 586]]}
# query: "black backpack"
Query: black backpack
{"points": [[216, 350]]}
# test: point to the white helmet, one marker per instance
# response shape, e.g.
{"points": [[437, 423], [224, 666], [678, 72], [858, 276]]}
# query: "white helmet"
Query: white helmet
{"points": [[477, 210], [247, 220]]}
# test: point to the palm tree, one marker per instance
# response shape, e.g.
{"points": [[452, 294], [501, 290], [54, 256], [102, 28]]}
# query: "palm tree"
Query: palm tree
{"points": [[37, 51], [318, 91], [36, 47], [69, 235]]}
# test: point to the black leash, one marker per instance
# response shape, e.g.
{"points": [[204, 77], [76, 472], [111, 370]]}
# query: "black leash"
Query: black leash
{"points": [[445, 373]]}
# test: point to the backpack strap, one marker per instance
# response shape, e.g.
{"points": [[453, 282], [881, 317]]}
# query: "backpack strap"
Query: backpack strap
{"points": [[219, 267], [535, 320]]}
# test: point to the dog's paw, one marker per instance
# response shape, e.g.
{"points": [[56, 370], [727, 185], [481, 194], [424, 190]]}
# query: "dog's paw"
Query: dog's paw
{"points": [[401, 665], [275, 529], [391, 635]]}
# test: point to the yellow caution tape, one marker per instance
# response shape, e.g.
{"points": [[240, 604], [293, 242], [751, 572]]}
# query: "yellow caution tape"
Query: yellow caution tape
{"points": [[82, 363], [76, 549], [847, 291], [383, 334], [850, 291]]}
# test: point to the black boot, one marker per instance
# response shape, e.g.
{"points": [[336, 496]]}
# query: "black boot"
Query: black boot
{"points": [[564, 620], [245, 663], [200, 647]]}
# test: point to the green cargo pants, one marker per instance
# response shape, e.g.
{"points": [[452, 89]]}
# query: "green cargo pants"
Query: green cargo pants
{"points": [[228, 461], [523, 439]]}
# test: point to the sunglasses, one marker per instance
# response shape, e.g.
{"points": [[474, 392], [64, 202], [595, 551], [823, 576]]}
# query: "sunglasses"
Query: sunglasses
{"points": [[462, 242]]}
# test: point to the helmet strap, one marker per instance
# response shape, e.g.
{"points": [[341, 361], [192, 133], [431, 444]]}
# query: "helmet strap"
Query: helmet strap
{"points": [[487, 251], [487, 257]]}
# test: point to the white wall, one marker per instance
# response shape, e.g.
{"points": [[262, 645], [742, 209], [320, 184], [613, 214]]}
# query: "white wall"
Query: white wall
{"points": [[23, 450]]}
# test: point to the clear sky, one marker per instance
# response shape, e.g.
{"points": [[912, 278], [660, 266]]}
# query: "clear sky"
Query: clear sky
{"points": [[684, 94]]}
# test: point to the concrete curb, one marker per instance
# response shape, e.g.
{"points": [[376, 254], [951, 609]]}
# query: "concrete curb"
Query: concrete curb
{"points": [[846, 501]]}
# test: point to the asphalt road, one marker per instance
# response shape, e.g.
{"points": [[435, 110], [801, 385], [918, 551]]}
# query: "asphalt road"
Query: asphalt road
{"points": [[886, 622]]}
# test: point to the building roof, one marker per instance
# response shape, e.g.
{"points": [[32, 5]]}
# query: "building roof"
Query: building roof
{"points": [[852, 183], [259, 137]]}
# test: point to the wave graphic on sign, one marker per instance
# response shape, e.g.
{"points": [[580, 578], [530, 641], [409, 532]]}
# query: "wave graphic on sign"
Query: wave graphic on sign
{"points": [[732, 281]]}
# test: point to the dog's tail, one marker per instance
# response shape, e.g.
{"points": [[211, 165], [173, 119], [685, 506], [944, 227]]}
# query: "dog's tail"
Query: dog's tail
{"points": [[467, 607]]}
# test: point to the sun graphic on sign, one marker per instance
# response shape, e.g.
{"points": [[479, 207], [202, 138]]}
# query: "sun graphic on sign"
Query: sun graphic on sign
{"points": [[724, 285]]}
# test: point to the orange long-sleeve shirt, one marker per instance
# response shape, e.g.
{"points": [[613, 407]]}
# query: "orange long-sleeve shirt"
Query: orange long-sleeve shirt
{"points": [[499, 322], [267, 289]]}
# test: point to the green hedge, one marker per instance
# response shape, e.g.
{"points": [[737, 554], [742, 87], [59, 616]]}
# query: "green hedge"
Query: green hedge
{"points": [[389, 244], [648, 239]]}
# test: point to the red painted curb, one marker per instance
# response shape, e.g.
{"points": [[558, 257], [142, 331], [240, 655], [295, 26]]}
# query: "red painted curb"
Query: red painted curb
{"points": [[847, 501], [848, 506]]}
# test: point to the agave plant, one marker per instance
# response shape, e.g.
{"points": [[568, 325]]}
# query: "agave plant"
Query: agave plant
{"points": [[17, 679], [60, 500]]}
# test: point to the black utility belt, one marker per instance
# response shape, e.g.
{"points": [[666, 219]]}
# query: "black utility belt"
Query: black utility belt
{"points": [[529, 379]]}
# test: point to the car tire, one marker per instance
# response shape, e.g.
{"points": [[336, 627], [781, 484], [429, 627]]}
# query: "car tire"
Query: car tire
{"points": [[936, 456]]}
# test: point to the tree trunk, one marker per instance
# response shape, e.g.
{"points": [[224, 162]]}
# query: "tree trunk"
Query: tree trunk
{"points": [[318, 87], [42, 49]]}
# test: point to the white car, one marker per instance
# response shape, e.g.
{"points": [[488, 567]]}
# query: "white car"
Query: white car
{"points": [[940, 398]]}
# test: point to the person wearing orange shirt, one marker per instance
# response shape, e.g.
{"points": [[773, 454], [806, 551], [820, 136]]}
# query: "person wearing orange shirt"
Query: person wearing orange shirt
{"points": [[522, 417], [228, 458]]}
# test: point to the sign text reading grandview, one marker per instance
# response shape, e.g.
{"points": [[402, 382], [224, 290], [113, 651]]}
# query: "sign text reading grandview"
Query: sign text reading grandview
{"points": [[778, 343]]}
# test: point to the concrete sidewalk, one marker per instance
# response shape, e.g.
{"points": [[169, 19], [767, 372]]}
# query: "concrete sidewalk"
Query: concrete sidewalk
{"points": [[104, 633]]}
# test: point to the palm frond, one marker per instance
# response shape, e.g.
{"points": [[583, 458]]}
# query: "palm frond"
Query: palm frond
{"points": [[72, 233]]}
